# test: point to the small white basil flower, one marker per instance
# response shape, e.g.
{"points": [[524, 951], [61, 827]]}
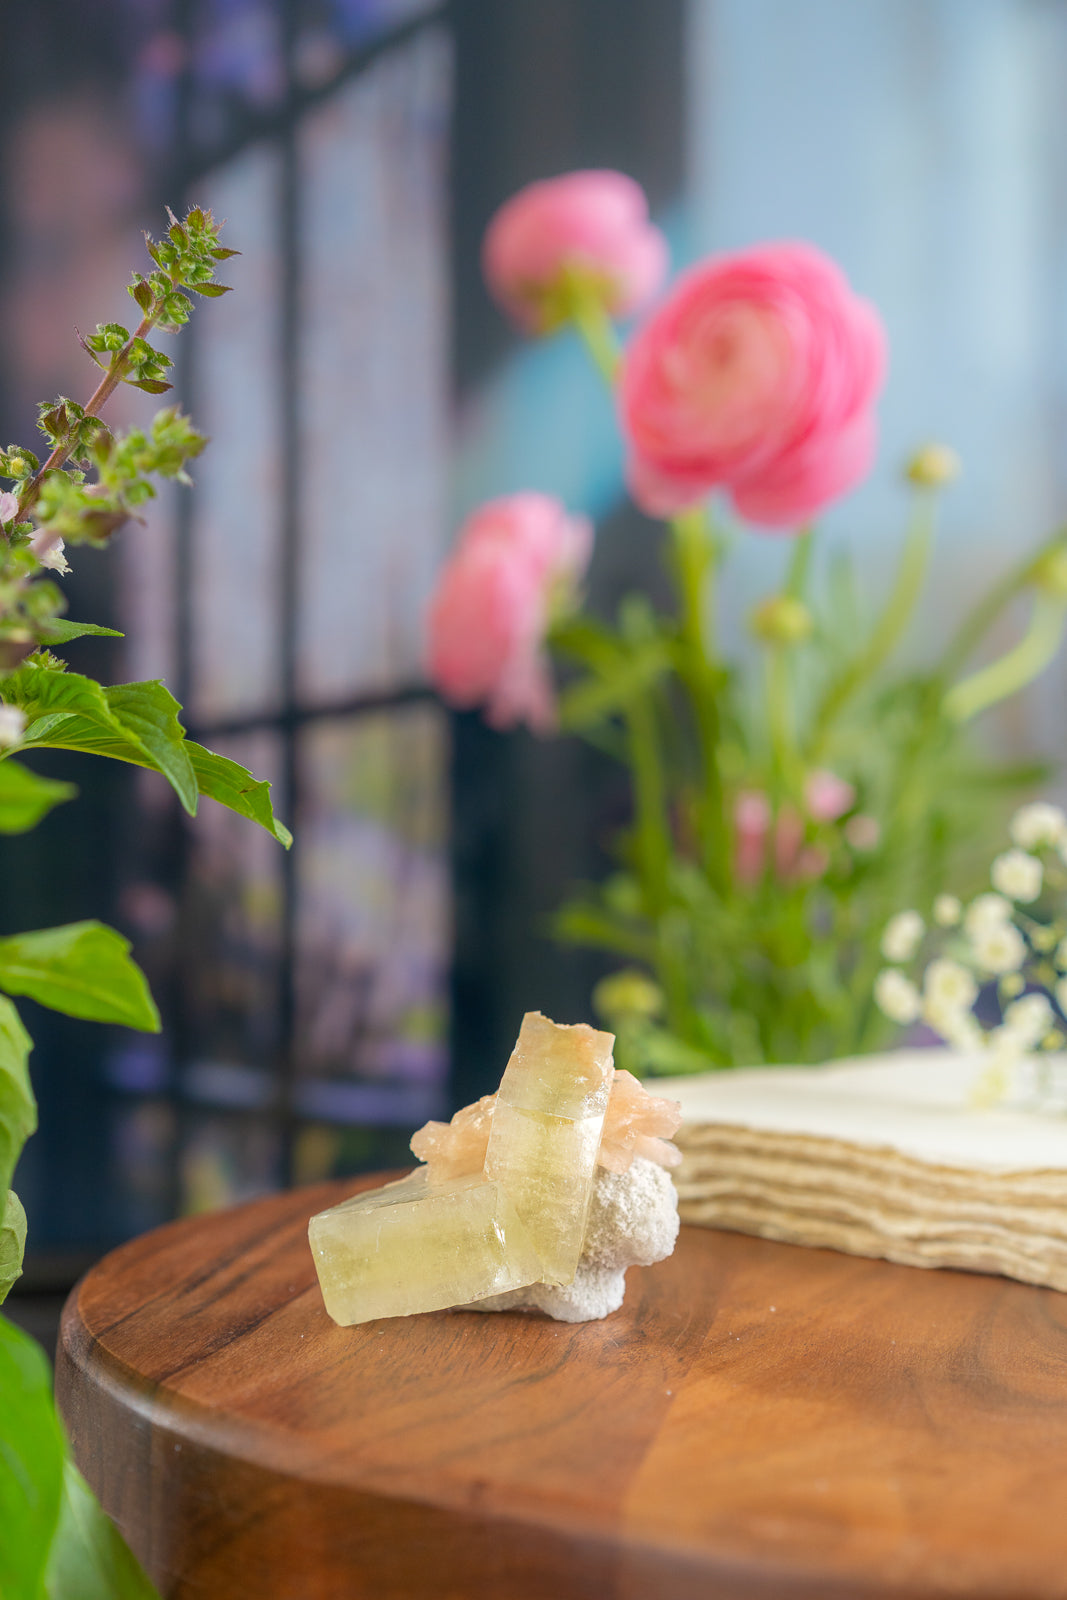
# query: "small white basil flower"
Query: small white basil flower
{"points": [[999, 948], [48, 548], [947, 910], [902, 935], [12, 726], [896, 996], [1017, 875], [1038, 824]]}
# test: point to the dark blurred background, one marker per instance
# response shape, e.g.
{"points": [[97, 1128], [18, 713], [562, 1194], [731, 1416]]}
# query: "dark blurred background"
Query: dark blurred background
{"points": [[362, 394]]}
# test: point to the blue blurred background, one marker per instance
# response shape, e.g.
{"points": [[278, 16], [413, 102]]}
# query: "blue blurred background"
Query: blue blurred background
{"points": [[362, 395]]}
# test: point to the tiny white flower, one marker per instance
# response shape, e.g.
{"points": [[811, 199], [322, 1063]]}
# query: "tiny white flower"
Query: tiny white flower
{"points": [[48, 548], [957, 1027], [902, 935], [1017, 875], [999, 948], [947, 910], [9, 504], [12, 726], [1038, 824], [897, 996], [1028, 1020], [949, 984], [986, 911]]}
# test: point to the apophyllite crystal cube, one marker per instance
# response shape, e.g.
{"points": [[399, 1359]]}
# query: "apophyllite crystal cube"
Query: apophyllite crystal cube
{"points": [[415, 1246], [546, 1132], [502, 1205]]}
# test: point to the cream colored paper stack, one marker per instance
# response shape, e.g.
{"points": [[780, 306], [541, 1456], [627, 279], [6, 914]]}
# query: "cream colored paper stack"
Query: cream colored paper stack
{"points": [[878, 1156]]}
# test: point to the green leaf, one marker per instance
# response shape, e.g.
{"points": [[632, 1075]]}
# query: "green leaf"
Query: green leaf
{"points": [[59, 631], [89, 1559], [150, 712], [25, 797], [31, 1464], [149, 385], [134, 722], [12, 1242], [18, 1108], [212, 291], [234, 786], [83, 969]]}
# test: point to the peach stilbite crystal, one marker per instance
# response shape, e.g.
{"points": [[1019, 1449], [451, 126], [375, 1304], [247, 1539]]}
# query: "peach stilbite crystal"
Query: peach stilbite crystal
{"points": [[452, 1149]]}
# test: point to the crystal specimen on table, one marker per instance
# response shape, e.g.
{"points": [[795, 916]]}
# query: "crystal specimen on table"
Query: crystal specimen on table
{"points": [[499, 1216], [545, 1134], [417, 1246], [633, 1222]]}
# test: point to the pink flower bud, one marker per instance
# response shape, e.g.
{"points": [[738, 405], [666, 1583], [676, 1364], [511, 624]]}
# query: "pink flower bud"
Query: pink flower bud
{"points": [[752, 821], [758, 375], [827, 796], [515, 560], [591, 225]]}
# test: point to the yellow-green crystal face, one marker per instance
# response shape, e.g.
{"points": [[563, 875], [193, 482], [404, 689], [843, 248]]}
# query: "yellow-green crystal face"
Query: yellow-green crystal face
{"points": [[546, 1132], [412, 1246]]}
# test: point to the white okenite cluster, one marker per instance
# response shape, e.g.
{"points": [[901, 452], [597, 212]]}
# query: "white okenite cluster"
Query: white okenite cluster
{"points": [[633, 1222]]}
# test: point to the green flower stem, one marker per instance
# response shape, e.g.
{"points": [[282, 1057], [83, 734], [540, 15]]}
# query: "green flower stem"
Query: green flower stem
{"points": [[597, 332], [796, 578], [651, 832], [1017, 667], [974, 627], [785, 762], [695, 556], [890, 625]]}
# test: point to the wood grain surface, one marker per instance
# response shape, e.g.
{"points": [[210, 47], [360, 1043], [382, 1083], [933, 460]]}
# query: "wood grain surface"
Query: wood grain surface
{"points": [[758, 1421]]}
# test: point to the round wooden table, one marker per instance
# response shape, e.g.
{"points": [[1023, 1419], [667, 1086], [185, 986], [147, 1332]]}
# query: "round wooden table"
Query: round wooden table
{"points": [[758, 1420]]}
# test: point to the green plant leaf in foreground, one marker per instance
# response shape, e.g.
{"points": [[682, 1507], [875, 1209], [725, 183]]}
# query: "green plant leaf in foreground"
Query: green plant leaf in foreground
{"points": [[60, 631], [134, 722], [18, 1108], [83, 969], [89, 1559], [25, 797], [31, 1464], [12, 1242], [234, 786]]}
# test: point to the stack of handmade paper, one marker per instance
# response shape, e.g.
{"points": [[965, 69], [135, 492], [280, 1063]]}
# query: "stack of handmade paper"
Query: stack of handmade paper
{"points": [[882, 1156]]}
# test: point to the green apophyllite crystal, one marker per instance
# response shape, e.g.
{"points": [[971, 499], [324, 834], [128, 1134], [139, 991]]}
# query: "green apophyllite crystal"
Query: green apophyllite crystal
{"points": [[546, 1132], [414, 1246]]}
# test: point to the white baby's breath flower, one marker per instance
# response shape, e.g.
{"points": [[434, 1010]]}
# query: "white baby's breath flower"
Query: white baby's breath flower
{"points": [[947, 910], [1028, 1020], [12, 726], [986, 911], [1038, 824], [1017, 875], [902, 935], [999, 948], [897, 996], [949, 984], [955, 1025]]}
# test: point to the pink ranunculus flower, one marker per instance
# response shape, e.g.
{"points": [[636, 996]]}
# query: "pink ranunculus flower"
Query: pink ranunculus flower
{"points": [[591, 223], [758, 375], [516, 560]]}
